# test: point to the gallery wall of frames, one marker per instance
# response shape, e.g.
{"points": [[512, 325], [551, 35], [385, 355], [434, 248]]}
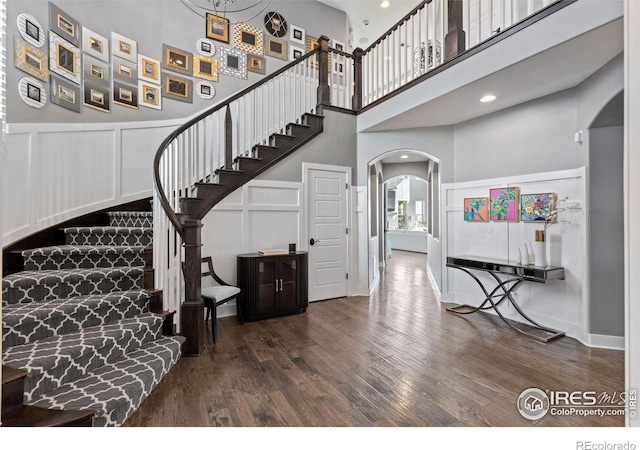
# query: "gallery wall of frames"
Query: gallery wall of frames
{"points": [[65, 62]]}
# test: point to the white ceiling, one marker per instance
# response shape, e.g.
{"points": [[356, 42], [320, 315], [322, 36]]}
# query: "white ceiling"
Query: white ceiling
{"points": [[380, 19]]}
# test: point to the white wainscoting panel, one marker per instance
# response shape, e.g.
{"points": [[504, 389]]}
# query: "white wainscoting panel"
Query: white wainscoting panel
{"points": [[72, 172], [222, 239], [138, 147], [277, 196], [53, 172], [558, 304], [16, 176], [360, 264]]}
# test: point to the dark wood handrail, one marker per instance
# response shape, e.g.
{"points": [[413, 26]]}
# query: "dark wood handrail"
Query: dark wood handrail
{"points": [[340, 52], [398, 24], [164, 201]]}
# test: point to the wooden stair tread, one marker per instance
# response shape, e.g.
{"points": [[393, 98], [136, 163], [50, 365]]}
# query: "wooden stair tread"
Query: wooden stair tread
{"points": [[9, 374], [32, 416]]}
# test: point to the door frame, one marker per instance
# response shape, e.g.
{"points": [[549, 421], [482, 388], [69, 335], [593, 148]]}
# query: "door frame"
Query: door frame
{"points": [[306, 167]]}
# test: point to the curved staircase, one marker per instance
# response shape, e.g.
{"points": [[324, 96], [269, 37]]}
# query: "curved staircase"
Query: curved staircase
{"points": [[81, 335]]}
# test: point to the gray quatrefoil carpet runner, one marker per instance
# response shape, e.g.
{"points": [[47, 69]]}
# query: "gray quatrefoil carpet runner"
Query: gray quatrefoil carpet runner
{"points": [[78, 320]]}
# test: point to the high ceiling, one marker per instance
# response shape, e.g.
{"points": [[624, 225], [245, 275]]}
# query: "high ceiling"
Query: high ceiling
{"points": [[379, 19]]}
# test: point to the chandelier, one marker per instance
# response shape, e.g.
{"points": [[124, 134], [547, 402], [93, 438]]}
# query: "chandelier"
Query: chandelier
{"points": [[225, 7]]}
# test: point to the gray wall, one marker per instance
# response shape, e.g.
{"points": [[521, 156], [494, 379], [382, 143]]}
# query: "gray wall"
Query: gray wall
{"points": [[336, 146], [418, 169], [534, 137], [606, 231], [437, 141], [537, 136], [150, 24]]}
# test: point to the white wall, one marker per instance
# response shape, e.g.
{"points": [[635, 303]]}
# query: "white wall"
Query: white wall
{"points": [[559, 304]]}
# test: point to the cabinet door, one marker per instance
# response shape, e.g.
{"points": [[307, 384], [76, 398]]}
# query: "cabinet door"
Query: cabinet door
{"points": [[288, 275], [268, 288]]}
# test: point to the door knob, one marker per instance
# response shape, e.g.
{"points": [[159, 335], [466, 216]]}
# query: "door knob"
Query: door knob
{"points": [[313, 241]]}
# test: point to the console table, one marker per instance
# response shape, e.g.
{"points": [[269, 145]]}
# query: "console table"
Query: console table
{"points": [[514, 275], [272, 286]]}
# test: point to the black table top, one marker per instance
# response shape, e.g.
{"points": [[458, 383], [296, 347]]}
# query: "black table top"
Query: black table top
{"points": [[503, 266]]}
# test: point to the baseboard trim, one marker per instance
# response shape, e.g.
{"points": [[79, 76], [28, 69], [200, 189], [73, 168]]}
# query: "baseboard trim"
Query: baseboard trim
{"points": [[434, 284], [374, 285], [606, 341]]}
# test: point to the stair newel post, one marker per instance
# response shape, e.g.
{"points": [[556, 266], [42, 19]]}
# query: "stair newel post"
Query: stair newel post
{"points": [[324, 91], [356, 101], [228, 140], [192, 313], [454, 41]]}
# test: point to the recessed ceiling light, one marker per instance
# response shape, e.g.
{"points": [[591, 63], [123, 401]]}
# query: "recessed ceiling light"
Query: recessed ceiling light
{"points": [[404, 157], [385, 4], [488, 98], [363, 40]]}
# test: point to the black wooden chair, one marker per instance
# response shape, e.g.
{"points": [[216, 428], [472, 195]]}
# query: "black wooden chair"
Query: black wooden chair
{"points": [[215, 296]]}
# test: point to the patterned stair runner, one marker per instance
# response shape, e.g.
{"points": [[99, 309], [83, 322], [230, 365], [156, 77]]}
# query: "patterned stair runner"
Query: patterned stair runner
{"points": [[114, 391], [83, 257], [78, 320], [39, 285], [131, 219], [59, 359], [109, 236], [23, 323]]}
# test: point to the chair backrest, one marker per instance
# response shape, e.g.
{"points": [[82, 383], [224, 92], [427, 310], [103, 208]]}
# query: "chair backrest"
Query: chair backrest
{"points": [[211, 272]]}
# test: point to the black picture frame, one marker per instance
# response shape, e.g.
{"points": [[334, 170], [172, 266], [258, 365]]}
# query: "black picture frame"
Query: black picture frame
{"points": [[34, 92], [32, 29]]}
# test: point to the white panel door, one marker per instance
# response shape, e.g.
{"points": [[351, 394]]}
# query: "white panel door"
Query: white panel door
{"points": [[327, 234]]}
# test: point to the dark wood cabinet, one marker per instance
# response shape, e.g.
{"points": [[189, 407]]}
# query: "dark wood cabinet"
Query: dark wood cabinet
{"points": [[272, 286]]}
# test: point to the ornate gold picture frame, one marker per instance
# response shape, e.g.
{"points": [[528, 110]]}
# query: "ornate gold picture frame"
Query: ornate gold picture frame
{"points": [[30, 59], [205, 67]]}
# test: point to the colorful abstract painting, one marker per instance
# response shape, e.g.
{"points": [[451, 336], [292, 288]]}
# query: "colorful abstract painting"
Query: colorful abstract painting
{"points": [[504, 204], [476, 209], [537, 207]]}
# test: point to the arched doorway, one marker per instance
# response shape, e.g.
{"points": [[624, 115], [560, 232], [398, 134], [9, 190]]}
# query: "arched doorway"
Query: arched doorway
{"points": [[419, 218]]}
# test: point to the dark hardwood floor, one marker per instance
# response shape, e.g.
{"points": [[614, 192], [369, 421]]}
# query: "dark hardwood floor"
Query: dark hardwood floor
{"points": [[396, 358]]}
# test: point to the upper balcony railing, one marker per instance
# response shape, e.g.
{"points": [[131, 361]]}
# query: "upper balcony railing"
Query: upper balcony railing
{"points": [[433, 33]]}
